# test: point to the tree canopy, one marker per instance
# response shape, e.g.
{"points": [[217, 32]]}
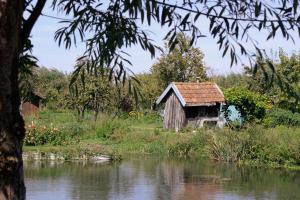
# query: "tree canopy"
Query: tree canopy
{"points": [[184, 63], [280, 83], [106, 28], [251, 105]]}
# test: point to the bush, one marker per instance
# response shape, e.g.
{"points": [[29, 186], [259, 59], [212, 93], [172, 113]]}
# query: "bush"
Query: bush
{"points": [[276, 147], [109, 128], [181, 148], [229, 145], [75, 128], [251, 105], [144, 116], [188, 144], [281, 117], [279, 146], [37, 134]]}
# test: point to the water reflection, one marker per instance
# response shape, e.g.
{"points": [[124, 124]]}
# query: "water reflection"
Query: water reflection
{"points": [[155, 178]]}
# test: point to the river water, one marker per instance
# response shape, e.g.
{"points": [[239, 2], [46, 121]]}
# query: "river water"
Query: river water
{"points": [[149, 178]]}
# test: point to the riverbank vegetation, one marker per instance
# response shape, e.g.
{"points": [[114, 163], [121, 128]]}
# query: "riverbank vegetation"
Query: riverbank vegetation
{"points": [[89, 113], [137, 133]]}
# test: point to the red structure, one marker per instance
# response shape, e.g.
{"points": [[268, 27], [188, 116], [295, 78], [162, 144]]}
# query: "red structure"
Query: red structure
{"points": [[31, 106]]}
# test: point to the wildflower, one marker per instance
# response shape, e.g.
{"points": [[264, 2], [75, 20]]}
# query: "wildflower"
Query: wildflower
{"points": [[32, 125]]}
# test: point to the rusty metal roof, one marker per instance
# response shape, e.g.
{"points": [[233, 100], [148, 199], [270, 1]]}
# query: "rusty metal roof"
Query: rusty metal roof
{"points": [[195, 94]]}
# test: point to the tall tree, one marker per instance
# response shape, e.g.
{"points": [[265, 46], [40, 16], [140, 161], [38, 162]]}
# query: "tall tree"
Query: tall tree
{"points": [[184, 63], [109, 26], [89, 90], [11, 123], [149, 90], [280, 83], [230, 80], [51, 84], [26, 85]]}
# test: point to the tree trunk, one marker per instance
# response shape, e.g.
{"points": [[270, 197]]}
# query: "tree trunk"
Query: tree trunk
{"points": [[95, 116], [11, 123], [81, 113]]}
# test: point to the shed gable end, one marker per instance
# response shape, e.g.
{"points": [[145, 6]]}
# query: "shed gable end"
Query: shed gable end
{"points": [[174, 113]]}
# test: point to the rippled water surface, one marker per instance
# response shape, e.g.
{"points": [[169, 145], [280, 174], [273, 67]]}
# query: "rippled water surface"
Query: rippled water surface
{"points": [[140, 178]]}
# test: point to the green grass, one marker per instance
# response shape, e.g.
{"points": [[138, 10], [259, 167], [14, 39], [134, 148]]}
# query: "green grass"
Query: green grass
{"points": [[256, 145], [118, 135]]}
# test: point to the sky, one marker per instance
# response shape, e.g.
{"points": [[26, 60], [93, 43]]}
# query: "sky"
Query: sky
{"points": [[50, 55]]}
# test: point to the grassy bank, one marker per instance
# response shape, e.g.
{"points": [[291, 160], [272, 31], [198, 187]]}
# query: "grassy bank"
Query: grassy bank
{"points": [[143, 134]]}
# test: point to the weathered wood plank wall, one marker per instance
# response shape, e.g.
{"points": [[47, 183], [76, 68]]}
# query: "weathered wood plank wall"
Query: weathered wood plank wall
{"points": [[29, 109], [174, 115]]}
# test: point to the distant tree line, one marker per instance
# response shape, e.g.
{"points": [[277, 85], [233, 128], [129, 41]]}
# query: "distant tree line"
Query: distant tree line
{"points": [[271, 83], [104, 91]]}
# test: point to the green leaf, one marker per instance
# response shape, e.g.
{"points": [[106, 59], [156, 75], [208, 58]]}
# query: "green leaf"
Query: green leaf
{"points": [[225, 50], [164, 15], [185, 19], [196, 17], [257, 8]]}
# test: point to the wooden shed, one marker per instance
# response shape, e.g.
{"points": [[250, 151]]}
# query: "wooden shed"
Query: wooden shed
{"points": [[31, 105], [192, 103]]}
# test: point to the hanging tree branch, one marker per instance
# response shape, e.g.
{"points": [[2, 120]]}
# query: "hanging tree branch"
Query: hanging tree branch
{"points": [[29, 23]]}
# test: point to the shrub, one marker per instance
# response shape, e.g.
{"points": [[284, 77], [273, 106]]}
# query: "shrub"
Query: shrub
{"points": [[135, 114], [188, 144], [232, 145], [37, 134], [110, 127], [226, 146], [277, 146], [256, 145], [151, 117], [75, 128], [251, 105], [144, 116], [181, 148], [281, 117]]}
